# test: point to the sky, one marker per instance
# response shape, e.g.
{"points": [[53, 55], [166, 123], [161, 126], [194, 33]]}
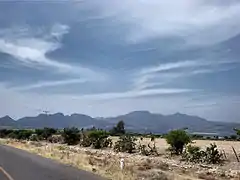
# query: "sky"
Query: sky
{"points": [[106, 58]]}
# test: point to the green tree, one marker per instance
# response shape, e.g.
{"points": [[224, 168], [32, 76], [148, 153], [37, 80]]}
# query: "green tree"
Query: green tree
{"points": [[177, 140], [119, 129]]}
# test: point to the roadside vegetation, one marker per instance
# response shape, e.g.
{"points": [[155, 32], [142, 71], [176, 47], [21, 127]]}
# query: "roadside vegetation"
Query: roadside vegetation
{"points": [[117, 140], [179, 141]]}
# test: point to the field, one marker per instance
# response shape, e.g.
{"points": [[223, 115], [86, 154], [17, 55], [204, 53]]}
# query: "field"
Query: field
{"points": [[137, 167]]}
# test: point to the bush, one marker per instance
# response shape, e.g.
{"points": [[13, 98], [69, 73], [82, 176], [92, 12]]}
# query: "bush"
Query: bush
{"points": [[98, 139], [149, 149], [193, 154], [20, 134], [71, 136], [226, 137], [237, 131], [126, 143], [177, 140], [233, 137], [55, 139], [211, 155], [45, 133], [4, 133], [85, 140], [34, 137]]}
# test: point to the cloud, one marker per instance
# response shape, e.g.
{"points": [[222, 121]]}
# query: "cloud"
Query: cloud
{"points": [[184, 64], [134, 94], [164, 73], [197, 22], [49, 84], [32, 51], [110, 57]]}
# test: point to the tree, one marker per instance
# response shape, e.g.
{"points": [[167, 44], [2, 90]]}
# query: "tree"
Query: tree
{"points": [[119, 129], [177, 140]]}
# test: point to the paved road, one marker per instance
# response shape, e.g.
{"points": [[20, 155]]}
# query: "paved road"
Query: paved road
{"points": [[21, 165]]}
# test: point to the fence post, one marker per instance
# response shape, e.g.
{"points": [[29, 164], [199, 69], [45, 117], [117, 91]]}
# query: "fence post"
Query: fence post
{"points": [[235, 153]]}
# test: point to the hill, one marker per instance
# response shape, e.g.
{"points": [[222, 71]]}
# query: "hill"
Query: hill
{"points": [[137, 121], [7, 121], [59, 120], [145, 122]]}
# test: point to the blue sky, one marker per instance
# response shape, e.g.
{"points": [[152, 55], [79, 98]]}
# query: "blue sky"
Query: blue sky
{"points": [[105, 58]]}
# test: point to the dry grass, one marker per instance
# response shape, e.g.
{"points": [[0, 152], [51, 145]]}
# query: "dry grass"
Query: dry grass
{"points": [[106, 162]]}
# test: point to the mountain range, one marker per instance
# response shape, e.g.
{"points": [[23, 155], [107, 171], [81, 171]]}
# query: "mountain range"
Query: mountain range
{"points": [[137, 121]]}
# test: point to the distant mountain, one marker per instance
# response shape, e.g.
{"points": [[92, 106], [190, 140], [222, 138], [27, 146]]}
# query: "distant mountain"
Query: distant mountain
{"points": [[59, 120], [137, 121], [144, 121], [7, 121]]}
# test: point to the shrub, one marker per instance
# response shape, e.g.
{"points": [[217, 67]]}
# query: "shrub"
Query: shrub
{"points": [[143, 150], [34, 137], [20, 134], [4, 133], [55, 139], [233, 137], [237, 131], [45, 133], [153, 137], [85, 140], [226, 137], [211, 155], [193, 154], [126, 143], [148, 150], [71, 136], [97, 139], [177, 140], [16, 134]]}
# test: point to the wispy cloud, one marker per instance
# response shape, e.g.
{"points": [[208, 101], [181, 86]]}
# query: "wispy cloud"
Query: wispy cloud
{"points": [[197, 22], [184, 64], [164, 73], [134, 93], [32, 52], [49, 84]]}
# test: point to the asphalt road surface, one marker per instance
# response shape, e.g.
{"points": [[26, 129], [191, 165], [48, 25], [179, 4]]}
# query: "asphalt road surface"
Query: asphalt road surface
{"points": [[17, 164]]}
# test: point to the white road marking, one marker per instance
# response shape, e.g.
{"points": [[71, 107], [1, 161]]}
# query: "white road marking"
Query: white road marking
{"points": [[6, 174]]}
